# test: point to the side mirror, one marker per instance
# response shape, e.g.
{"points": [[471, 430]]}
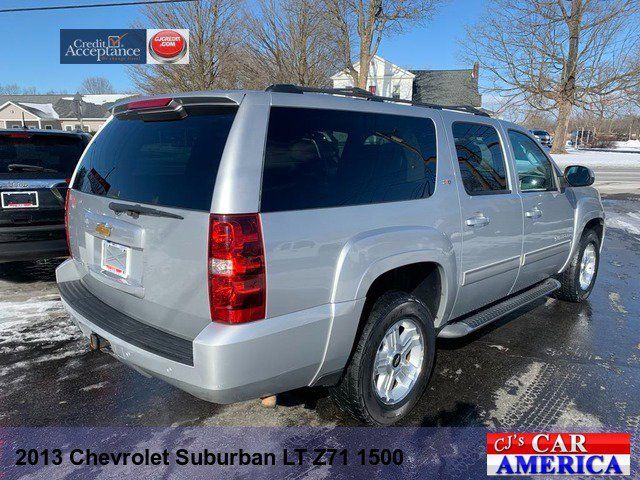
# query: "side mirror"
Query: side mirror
{"points": [[579, 176]]}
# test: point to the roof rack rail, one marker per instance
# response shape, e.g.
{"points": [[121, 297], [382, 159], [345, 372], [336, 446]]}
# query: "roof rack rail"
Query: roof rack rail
{"points": [[361, 93]]}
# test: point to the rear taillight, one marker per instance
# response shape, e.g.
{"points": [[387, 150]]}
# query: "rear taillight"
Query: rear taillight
{"points": [[237, 274], [69, 202]]}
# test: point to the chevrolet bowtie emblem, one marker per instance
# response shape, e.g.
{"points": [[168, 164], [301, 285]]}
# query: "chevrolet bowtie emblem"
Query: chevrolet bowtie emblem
{"points": [[103, 230]]}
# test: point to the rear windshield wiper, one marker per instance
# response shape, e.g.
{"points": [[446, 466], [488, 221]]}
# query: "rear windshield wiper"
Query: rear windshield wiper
{"points": [[136, 210], [23, 167]]}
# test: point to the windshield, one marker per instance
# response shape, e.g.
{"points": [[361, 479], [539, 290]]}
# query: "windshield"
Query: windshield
{"points": [[166, 163], [541, 133], [39, 155]]}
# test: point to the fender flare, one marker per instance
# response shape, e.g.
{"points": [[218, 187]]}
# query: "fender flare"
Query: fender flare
{"points": [[369, 255], [587, 208]]}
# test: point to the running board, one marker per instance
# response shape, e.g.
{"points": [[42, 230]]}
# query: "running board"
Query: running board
{"points": [[484, 317]]}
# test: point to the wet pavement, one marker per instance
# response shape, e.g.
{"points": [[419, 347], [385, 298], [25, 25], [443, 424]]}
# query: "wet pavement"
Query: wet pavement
{"points": [[550, 364]]}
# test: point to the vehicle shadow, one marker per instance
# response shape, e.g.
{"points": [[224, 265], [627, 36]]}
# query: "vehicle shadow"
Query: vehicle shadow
{"points": [[27, 272], [462, 414]]}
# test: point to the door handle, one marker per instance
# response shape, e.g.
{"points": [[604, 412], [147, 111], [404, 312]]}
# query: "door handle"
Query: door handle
{"points": [[478, 220], [533, 213]]}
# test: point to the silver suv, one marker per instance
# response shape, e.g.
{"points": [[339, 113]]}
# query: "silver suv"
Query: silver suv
{"points": [[241, 244]]}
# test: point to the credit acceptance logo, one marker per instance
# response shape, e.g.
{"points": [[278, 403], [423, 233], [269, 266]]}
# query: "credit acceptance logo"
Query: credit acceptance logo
{"points": [[558, 454], [103, 46], [128, 46]]}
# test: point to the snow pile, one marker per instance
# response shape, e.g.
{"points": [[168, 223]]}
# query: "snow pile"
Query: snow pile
{"points": [[46, 110], [629, 222], [628, 145], [597, 160]]}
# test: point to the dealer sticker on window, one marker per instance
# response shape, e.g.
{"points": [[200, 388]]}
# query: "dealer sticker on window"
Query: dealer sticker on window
{"points": [[116, 259]]}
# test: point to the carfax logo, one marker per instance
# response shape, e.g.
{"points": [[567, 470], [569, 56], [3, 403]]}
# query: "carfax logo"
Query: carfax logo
{"points": [[558, 454], [103, 46]]}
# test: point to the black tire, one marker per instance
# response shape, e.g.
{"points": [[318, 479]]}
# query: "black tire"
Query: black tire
{"points": [[355, 393], [570, 290]]}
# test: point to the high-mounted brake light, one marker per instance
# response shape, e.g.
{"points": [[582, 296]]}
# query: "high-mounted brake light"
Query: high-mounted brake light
{"points": [[19, 135], [236, 268], [69, 202], [151, 103]]}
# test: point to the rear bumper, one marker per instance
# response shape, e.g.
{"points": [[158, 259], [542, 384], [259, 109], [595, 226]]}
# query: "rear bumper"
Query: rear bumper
{"points": [[231, 363], [31, 243]]}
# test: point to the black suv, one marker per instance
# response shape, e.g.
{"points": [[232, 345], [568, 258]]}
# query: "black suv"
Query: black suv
{"points": [[35, 168]]}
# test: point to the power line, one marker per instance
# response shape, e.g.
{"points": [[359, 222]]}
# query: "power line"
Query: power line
{"points": [[97, 5]]}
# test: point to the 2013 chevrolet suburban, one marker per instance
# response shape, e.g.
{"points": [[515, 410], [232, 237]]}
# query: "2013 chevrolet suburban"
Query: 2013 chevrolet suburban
{"points": [[241, 244]]}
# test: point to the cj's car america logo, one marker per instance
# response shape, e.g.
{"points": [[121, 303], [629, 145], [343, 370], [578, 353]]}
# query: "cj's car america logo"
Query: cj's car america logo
{"points": [[558, 454], [131, 46]]}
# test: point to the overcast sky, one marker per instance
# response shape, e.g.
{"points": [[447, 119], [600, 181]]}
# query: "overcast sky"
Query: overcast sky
{"points": [[29, 51]]}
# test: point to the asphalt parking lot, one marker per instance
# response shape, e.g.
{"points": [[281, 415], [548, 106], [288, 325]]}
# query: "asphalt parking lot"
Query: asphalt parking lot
{"points": [[550, 364]]}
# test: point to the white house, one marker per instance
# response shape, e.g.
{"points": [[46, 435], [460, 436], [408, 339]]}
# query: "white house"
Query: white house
{"points": [[442, 87]]}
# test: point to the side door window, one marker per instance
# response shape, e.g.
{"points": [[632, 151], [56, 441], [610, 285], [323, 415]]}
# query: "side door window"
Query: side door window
{"points": [[480, 158], [535, 172], [316, 158]]}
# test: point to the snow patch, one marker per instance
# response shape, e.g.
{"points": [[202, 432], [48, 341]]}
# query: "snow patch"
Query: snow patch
{"points": [[101, 99], [46, 109], [499, 347], [614, 298], [571, 417], [629, 222], [20, 312], [511, 395], [597, 160], [95, 386]]}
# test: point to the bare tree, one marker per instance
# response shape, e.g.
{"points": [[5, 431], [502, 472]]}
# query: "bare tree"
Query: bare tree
{"points": [[553, 55], [215, 34], [358, 27], [15, 89], [96, 85], [287, 42]]}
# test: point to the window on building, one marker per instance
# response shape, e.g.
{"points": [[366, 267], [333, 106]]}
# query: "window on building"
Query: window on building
{"points": [[48, 127], [396, 91], [480, 158], [318, 158], [535, 172], [78, 127], [68, 128]]}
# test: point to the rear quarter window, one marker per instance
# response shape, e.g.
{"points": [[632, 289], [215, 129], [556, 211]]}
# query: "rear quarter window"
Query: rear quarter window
{"points": [[166, 163], [318, 158]]}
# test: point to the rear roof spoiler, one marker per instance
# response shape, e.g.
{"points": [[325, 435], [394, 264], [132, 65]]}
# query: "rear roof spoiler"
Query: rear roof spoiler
{"points": [[173, 103]]}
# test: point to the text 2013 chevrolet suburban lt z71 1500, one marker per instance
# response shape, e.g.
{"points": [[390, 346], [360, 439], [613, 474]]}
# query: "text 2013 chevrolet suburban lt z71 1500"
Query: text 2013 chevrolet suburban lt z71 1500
{"points": [[35, 166], [241, 244]]}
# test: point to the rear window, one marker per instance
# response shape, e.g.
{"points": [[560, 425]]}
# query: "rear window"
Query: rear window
{"points": [[39, 155], [326, 158], [166, 163]]}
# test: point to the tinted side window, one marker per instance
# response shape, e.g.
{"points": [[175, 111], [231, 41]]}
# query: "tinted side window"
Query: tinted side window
{"points": [[480, 158], [534, 168], [325, 158]]}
